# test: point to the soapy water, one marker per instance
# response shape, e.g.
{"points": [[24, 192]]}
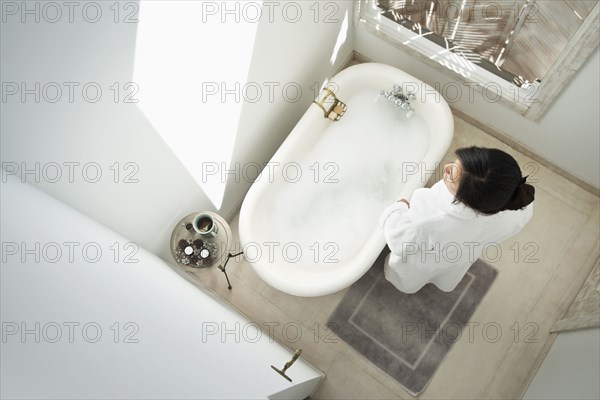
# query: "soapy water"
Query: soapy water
{"points": [[369, 154]]}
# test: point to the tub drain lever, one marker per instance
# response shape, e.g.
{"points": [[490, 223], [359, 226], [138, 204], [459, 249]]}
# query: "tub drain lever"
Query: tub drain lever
{"points": [[288, 364]]}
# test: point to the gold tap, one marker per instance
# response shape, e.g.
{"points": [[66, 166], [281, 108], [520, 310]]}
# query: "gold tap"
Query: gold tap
{"points": [[288, 364]]}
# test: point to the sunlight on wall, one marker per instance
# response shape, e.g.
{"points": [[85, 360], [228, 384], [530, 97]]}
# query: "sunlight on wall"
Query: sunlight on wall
{"points": [[188, 66], [341, 39]]}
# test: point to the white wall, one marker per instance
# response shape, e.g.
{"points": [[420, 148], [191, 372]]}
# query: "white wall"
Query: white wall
{"points": [[102, 53], [570, 369], [568, 133], [153, 334]]}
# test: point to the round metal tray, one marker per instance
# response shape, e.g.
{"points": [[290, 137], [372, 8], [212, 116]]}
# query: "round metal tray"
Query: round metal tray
{"points": [[205, 251]]}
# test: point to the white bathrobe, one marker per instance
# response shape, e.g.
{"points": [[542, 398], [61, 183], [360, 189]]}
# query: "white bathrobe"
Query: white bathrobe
{"points": [[435, 241]]}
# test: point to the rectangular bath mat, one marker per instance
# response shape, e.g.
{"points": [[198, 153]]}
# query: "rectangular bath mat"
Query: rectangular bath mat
{"points": [[408, 335]]}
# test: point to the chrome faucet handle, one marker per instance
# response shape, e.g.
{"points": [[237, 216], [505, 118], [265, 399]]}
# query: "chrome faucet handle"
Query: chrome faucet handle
{"points": [[399, 99]]}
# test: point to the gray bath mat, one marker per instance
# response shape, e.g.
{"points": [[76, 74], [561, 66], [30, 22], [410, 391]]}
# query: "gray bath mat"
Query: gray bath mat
{"points": [[408, 335]]}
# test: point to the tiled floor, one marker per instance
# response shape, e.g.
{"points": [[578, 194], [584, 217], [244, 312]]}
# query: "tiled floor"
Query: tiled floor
{"points": [[540, 272]]}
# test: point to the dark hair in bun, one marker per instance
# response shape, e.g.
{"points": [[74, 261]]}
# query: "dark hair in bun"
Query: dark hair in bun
{"points": [[491, 181]]}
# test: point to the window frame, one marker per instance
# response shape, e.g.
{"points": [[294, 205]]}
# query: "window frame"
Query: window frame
{"points": [[531, 101]]}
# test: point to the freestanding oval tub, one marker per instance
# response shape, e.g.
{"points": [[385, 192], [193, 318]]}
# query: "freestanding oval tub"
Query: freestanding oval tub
{"points": [[309, 223]]}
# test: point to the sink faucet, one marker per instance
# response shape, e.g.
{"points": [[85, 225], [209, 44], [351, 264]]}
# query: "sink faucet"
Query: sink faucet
{"points": [[399, 98]]}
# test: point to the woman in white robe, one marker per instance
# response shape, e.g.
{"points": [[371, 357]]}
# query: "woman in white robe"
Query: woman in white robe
{"points": [[481, 201]]}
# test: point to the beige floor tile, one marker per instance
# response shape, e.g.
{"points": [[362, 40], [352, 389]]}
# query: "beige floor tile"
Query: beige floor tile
{"points": [[347, 380], [302, 308]]}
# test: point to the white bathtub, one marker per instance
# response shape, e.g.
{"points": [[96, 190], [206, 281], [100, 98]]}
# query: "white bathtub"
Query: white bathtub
{"points": [[308, 224]]}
